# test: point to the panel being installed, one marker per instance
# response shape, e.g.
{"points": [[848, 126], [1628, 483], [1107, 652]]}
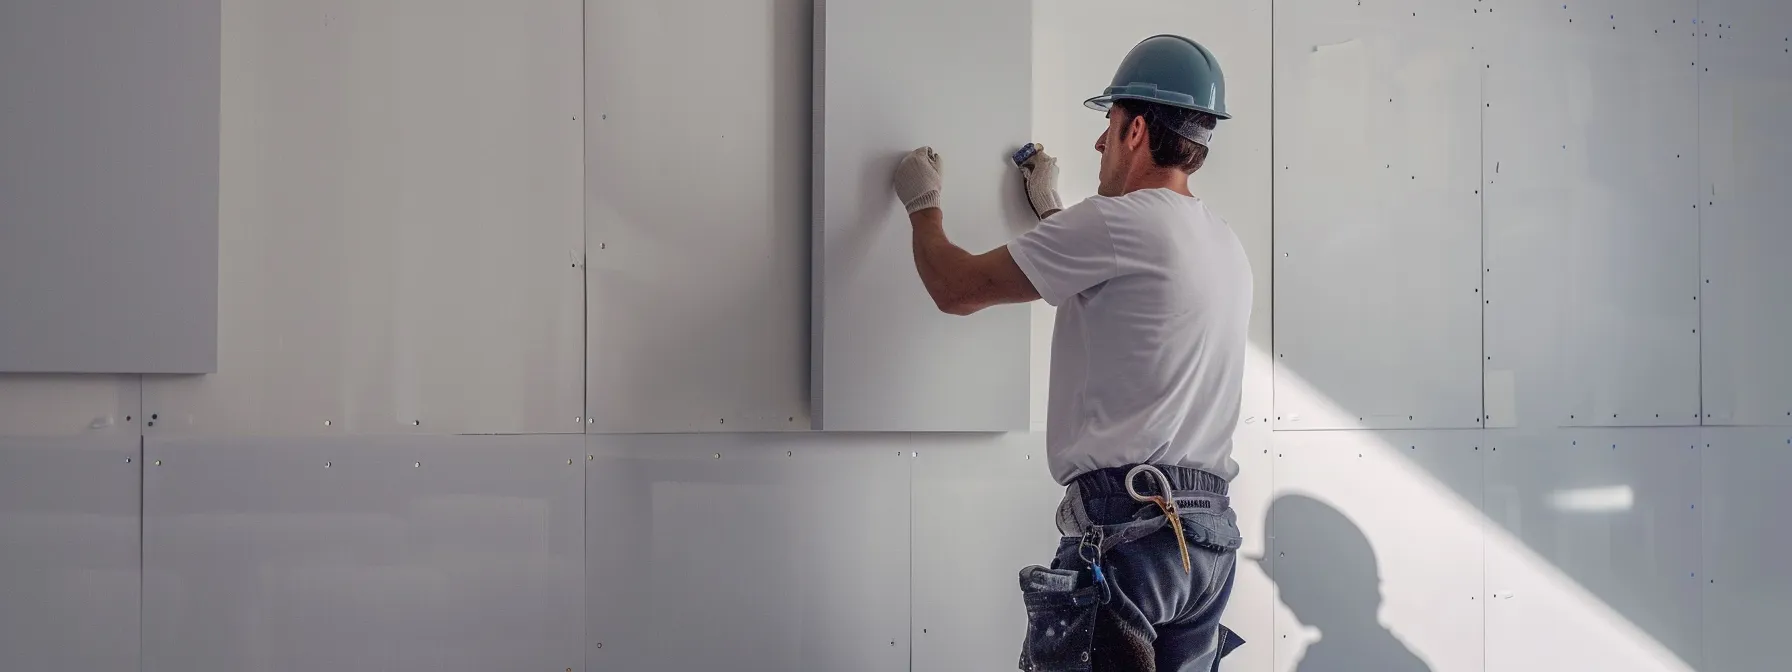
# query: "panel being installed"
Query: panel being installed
{"points": [[109, 186], [1746, 195], [69, 547], [697, 208], [1377, 546], [400, 223], [1746, 546], [1592, 231], [1377, 237], [891, 77], [748, 552], [1590, 556], [412, 553]]}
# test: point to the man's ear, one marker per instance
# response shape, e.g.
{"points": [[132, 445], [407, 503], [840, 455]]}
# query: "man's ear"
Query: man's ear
{"points": [[1136, 130]]}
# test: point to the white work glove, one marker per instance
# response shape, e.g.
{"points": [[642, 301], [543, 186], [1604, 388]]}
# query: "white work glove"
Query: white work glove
{"points": [[918, 180], [1040, 174]]}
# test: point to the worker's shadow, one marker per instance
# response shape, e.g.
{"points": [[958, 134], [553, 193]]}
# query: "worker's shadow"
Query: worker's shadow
{"points": [[1326, 573]]}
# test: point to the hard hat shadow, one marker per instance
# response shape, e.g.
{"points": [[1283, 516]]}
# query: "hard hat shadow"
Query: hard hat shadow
{"points": [[1326, 573]]}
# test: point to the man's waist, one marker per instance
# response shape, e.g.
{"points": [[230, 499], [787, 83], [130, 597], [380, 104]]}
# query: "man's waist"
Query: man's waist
{"points": [[1111, 482], [1101, 498]]}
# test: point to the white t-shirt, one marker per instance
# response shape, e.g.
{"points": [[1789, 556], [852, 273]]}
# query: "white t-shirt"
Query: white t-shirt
{"points": [[1154, 304]]}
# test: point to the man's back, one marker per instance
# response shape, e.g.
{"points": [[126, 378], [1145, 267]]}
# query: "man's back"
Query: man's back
{"points": [[1154, 302], [1154, 297]]}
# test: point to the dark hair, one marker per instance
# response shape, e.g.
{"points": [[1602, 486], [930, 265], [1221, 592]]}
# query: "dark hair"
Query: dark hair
{"points": [[1168, 148]]}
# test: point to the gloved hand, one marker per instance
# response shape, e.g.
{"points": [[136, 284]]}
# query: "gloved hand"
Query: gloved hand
{"points": [[1040, 174], [918, 180]]}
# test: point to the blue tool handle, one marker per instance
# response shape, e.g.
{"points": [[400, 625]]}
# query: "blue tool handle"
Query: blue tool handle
{"points": [[1026, 152]]}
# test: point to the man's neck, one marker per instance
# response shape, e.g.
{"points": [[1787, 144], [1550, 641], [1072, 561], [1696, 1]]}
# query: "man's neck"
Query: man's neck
{"points": [[1159, 178]]}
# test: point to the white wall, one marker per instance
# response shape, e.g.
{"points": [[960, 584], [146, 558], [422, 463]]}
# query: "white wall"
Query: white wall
{"points": [[407, 219], [1575, 196]]}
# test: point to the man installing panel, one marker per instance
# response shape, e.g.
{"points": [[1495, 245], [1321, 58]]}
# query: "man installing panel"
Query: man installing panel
{"points": [[1153, 292]]}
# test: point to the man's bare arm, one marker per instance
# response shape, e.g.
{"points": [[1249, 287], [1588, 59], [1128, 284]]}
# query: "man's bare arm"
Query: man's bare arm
{"points": [[962, 283]]}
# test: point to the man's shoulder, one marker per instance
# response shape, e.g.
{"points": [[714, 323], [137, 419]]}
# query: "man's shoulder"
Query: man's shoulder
{"points": [[1157, 212]]}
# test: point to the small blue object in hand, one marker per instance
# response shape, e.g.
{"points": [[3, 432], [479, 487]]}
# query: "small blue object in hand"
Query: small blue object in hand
{"points": [[1026, 152]]}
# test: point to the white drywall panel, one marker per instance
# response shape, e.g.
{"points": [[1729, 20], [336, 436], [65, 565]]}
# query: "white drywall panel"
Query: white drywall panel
{"points": [[1377, 541], [983, 508], [1746, 197], [884, 357], [761, 552], [70, 553], [400, 224], [1590, 559], [109, 186], [401, 553], [1378, 235], [52, 405], [697, 209], [1747, 599], [1592, 243]]}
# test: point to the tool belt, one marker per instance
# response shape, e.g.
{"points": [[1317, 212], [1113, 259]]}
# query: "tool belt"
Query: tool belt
{"points": [[1076, 620], [1098, 505]]}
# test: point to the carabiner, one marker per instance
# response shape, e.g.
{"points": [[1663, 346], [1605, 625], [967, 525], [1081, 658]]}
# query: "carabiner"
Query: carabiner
{"points": [[1166, 502]]}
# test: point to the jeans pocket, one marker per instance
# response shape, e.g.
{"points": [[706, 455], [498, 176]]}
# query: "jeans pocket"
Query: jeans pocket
{"points": [[1060, 620], [1211, 531]]}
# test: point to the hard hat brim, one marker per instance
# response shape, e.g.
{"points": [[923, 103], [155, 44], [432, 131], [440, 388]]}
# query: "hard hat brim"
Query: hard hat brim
{"points": [[1104, 102]]}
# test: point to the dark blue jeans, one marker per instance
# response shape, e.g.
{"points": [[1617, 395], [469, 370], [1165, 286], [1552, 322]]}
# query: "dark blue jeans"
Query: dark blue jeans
{"points": [[1155, 612]]}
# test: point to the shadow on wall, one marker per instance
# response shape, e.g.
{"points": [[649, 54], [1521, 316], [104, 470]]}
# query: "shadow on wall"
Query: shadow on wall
{"points": [[1328, 577]]}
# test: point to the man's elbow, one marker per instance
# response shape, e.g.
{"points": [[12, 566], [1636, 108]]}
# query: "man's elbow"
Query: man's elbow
{"points": [[956, 306], [956, 303], [961, 309]]}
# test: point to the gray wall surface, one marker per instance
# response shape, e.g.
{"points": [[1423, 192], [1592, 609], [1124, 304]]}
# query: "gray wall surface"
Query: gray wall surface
{"points": [[411, 172]]}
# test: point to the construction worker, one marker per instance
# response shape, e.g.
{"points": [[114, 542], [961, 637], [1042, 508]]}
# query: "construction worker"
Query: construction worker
{"points": [[1153, 292]]}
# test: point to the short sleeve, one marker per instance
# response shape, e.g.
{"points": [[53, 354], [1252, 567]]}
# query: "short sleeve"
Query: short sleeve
{"points": [[1067, 253]]}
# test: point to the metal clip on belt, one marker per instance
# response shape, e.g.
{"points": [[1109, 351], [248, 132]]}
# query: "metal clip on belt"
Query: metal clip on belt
{"points": [[1165, 502]]}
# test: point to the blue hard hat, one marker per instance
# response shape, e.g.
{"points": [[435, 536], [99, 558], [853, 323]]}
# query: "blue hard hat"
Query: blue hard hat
{"points": [[1172, 70]]}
